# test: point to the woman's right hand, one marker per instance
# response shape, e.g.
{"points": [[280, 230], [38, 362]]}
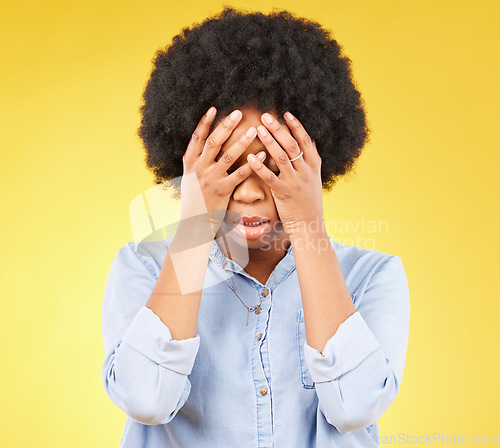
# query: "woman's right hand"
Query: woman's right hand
{"points": [[206, 187]]}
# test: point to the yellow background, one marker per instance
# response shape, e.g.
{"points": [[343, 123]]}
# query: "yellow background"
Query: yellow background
{"points": [[71, 83]]}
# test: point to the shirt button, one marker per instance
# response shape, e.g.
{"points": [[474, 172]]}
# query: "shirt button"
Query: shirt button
{"points": [[263, 390], [265, 293], [259, 336]]}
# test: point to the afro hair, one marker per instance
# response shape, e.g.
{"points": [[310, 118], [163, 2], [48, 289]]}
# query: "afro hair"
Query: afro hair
{"points": [[275, 62]]}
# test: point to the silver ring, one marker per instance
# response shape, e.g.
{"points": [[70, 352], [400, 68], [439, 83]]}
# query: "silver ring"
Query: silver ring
{"points": [[295, 158]]}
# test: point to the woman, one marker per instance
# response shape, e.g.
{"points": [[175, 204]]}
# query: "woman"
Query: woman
{"points": [[251, 327]]}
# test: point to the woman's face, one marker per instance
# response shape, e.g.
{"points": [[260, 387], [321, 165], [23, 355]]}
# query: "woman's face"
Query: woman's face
{"points": [[252, 197]]}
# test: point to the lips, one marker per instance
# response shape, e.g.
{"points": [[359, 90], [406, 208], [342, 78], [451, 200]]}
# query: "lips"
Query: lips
{"points": [[253, 227], [253, 220]]}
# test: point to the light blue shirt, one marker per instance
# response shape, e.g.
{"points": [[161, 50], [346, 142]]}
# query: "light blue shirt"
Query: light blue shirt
{"points": [[261, 385]]}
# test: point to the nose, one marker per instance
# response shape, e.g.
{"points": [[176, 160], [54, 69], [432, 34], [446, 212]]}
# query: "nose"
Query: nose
{"points": [[249, 190]]}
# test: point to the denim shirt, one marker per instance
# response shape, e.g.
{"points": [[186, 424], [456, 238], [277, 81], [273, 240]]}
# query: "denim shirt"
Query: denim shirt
{"points": [[261, 385]]}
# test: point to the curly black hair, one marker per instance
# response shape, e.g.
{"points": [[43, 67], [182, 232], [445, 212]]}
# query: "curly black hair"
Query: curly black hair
{"points": [[271, 62]]}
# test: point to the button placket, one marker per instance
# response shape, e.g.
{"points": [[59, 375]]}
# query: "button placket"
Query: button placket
{"points": [[260, 370]]}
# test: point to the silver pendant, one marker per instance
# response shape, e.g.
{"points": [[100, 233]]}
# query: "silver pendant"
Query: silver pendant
{"points": [[257, 310]]}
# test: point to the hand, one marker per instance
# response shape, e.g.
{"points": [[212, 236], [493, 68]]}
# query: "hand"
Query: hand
{"points": [[205, 185], [297, 190]]}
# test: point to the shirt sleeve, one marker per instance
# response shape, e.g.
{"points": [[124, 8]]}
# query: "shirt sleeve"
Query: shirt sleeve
{"points": [[145, 372], [359, 373]]}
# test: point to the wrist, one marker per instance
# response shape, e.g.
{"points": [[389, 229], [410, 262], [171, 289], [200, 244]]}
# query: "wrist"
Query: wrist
{"points": [[193, 232], [311, 241], [209, 219], [304, 228]]}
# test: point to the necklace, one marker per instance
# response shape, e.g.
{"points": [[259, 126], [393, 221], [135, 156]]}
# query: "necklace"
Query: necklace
{"points": [[256, 308]]}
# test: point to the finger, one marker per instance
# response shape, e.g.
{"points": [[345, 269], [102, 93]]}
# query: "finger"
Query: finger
{"points": [[217, 138], [197, 140], [285, 140], [230, 156], [302, 137], [265, 173], [243, 172], [280, 157]]}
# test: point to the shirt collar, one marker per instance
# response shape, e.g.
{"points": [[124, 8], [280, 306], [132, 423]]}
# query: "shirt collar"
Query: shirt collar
{"points": [[284, 268]]}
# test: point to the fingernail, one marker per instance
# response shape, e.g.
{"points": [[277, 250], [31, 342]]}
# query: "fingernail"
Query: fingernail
{"points": [[262, 131], [289, 116], [252, 158], [250, 132], [211, 111], [261, 155], [268, 118], [234, 115]]}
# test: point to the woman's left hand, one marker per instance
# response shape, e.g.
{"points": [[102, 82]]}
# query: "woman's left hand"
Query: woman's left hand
{"points": [[297, 190]]}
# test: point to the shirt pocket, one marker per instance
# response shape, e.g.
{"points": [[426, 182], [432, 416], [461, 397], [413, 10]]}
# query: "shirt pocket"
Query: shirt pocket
{"points": [[305, 374]]}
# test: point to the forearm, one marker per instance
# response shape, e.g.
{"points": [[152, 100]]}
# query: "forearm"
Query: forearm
{"points": [[176, 296], [325, 297]]}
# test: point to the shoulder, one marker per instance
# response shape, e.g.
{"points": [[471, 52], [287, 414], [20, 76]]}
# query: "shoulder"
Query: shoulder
{"points": [[352, 256], [361, 266], [143, 255]]}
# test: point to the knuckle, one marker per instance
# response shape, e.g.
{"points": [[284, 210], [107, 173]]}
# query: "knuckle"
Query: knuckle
{"points": [[282, 158], [269, 178], [307, 140], [228, 157], [219, 190], [195, 136], [278, 127], [210, 141], [294, 147]]}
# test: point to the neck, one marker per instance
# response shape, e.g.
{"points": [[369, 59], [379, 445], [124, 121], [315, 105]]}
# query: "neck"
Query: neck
{"points": [[259, 263]]}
